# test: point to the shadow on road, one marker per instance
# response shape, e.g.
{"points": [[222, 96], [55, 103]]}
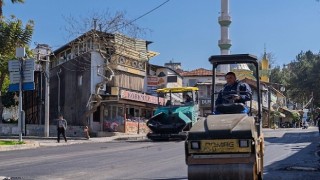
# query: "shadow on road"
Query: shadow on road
{"points": [[302, 164]]}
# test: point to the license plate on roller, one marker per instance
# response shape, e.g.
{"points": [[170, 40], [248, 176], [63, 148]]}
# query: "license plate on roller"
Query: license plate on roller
{"points": [[221, 146]]}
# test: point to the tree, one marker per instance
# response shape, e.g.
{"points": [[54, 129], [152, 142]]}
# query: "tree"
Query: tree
{"points": [[104, 22], [12, 34], [2, 3], [303, 77]]}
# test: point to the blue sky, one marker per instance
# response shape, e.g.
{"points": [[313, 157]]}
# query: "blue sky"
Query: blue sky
{"points": [[187, 31]]}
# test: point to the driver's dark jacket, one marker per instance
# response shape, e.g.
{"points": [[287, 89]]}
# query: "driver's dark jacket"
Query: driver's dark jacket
{"points": [[245, 94]]}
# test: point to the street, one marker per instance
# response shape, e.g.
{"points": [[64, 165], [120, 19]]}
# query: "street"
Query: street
{"points": [[289, 154]]}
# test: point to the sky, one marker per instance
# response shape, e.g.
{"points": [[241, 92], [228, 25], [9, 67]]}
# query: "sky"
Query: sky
{"points": [[187, 31]]}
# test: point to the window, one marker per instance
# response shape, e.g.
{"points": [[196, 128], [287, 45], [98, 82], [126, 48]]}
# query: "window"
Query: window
{"points": [[201, 91], [172, 79], [192, 82], [119, 117]]}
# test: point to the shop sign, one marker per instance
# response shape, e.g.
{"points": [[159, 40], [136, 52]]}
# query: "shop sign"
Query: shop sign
{"points": [[134, 96], [152, 81], [152, 90], [205, 102]]}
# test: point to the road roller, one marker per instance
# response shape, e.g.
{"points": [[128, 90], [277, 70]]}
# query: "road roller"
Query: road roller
{"points": [[228, 143]]}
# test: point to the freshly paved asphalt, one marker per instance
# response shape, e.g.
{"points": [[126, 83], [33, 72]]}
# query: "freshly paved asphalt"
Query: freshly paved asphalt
{"points": [[290, 153]]}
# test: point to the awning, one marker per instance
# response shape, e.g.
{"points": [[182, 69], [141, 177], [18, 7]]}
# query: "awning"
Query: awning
{"points": [[266, 109], [279, 114], [292, 113], [274, 112]]}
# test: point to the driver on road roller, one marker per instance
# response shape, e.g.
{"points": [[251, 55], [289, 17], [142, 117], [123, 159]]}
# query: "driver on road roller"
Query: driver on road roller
{"points": [[232, 97]]}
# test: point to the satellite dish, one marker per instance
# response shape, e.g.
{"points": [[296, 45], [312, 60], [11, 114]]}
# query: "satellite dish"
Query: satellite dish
{"points": [[282, 89]]}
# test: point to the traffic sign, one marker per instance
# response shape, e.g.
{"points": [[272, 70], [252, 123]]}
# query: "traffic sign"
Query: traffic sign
{"points": [[28, 76], [29, 65], [26, 66], [25, 87], [14, 65]]}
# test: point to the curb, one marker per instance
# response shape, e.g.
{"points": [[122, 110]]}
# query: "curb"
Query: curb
{"points": [[35, 142], [27, 145]]}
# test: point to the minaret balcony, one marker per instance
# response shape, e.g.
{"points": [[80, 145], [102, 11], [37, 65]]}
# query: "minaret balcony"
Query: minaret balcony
{"points": [[224, 43], [224, 20]]}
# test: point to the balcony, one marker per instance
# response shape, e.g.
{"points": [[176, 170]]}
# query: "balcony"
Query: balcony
{"points": [[224, 44], [224, 20]]}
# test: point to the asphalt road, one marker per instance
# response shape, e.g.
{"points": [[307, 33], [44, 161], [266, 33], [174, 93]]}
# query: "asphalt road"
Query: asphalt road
{"points": [[290, 154]]}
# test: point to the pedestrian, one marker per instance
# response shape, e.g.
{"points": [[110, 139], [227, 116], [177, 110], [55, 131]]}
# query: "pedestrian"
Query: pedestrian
{"points": [[61, 128]]}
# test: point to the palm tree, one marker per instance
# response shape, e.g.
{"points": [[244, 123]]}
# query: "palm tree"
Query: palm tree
{"points": [[13, 1]]}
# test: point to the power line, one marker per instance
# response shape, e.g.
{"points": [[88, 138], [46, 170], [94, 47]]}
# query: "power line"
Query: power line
{"points": [[143, 15], [149, 11]]}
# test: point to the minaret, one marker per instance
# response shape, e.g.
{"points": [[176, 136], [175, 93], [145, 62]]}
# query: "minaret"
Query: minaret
{"points": [[264, 68], [224, 43]]}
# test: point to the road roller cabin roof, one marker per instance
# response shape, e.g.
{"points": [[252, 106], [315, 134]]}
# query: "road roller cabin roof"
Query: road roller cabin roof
{"points": [[233, 59]]}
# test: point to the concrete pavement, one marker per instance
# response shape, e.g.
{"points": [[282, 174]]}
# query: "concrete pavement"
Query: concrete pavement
{"points": [[35, 142]]}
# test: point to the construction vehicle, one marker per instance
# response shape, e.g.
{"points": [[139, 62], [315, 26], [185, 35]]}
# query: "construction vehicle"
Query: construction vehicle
{"points": [[228, 145], [179, 114]]}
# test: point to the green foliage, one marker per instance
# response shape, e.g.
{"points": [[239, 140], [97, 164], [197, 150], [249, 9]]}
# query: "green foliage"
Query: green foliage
{"points": [[12, 34], [295, 116], [8, 143], [304, 77], [12, 1], [5, 84], [300, 77]]}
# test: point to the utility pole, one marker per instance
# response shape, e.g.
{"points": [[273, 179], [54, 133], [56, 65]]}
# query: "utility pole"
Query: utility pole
{"points": [[44, 52], [269, 105], [47, 94], [20, 53]]}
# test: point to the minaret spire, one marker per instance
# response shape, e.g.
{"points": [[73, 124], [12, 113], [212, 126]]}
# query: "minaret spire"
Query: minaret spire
{"points": [[224, 43], [265, 72]]}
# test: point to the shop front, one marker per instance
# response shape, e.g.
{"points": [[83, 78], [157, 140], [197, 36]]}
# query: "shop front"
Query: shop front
{"points": [[205, 106], [130, 112]]}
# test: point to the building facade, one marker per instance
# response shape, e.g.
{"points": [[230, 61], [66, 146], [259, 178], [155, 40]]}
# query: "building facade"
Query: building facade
{"points": [[99, 80]]}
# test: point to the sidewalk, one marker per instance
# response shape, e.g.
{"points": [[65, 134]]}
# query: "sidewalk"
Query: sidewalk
{"points": [[35, 141]]}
